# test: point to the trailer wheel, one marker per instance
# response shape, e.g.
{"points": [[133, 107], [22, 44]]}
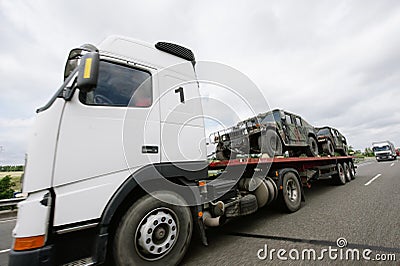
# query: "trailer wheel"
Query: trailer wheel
{"points": [[153, 232], [339, 177], [327, 147], [312, 148], [352, 170], [347, 173], [291, 192], [270, 143]]}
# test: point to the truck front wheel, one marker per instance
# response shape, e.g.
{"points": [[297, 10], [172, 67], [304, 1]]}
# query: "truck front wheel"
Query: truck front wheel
{"points": [[154, 231]]}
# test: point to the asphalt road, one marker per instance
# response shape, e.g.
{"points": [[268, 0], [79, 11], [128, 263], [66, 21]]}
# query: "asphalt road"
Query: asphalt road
{"points": [[365, 212]]}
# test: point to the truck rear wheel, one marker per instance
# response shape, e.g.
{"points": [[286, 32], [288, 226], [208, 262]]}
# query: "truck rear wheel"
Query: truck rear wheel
{"points": [[339, 177], [154, 232], [291, 192]]}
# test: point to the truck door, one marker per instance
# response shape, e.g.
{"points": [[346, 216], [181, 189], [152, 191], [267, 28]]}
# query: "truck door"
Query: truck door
{"points": [[182, 123], [103, 134]]}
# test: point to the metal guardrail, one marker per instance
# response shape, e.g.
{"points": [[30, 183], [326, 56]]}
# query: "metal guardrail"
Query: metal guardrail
{"points": [[10, 202]]}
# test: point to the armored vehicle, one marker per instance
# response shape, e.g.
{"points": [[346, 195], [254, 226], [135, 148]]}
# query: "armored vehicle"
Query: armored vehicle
{"points": [[330, 140], [271, 133]]}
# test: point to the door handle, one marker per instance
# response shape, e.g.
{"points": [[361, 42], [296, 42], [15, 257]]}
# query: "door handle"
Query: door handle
{"points": [[149, 149]]}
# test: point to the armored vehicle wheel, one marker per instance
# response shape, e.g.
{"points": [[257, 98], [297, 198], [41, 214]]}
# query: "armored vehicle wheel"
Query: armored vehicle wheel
{"points": [[312, 149], [327, 148], [270, 143]]}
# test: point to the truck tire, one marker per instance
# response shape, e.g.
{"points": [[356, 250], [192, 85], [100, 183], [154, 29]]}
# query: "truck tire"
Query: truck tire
{"points": [[270, 143], [244, 206], [339, 178], [352, 170], [290, 197], [272, 182], [153, 232], [312, 148], [327, 148], [347, 173]]}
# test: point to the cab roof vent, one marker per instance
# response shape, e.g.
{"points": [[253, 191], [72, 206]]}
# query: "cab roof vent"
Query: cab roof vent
{"points": [[176, 50]]}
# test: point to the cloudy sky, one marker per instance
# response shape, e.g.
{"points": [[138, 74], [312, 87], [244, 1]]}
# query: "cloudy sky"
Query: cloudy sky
{"points": [[333, 62]]}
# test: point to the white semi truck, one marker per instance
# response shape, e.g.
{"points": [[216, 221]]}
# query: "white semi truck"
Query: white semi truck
{"points": [[384, 150], [117, 172]]}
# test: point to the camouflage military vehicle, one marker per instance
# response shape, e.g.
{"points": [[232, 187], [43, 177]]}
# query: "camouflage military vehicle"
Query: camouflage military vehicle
{"points": [[272, 133], [330, 140]]}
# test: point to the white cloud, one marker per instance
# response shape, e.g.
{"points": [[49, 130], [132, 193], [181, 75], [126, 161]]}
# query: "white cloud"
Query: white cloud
{"points": [[333, 62]]}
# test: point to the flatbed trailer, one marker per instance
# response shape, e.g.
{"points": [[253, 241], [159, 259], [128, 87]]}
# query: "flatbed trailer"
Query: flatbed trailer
{"points": [[308, 168]]}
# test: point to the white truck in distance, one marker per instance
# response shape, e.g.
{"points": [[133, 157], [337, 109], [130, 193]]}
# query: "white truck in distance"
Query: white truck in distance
{"points": [[384, 150], [117, 171]]}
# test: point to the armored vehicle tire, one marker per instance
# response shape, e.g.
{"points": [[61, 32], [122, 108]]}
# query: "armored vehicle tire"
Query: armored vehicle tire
{"points": [[290, 196], [312, 148], [339, 178], [347, 173], [270, 143], [153, 232], [221, 153], [327, 148]]}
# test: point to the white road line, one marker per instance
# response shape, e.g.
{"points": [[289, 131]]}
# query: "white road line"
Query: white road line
{"points": [[4, 251], [370, 181], [363, 164], [392, 164], [6, 221]]}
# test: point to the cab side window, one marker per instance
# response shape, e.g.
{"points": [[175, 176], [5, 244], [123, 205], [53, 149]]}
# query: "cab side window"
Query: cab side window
{"points": [[119, 85]]}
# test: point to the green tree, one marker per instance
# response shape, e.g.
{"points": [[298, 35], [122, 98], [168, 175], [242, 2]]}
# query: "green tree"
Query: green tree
{"points": [[6, 185], [368, 152]]}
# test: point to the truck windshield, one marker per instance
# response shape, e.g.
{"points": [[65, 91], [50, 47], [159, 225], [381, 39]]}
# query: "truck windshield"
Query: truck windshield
{"points": [[120, 85], [383, 148]]}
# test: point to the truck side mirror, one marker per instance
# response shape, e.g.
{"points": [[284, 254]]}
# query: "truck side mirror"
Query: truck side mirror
{"points": [[88, 72]]}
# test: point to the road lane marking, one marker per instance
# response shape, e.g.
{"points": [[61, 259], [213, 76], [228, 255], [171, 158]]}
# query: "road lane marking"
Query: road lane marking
{"points": [[370, 181], [363, 164], [4, 251], [392, 164], [6, 221]]}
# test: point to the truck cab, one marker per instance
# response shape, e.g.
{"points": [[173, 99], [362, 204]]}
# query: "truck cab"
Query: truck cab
{"points": [[121, 112], [384, 150]]}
